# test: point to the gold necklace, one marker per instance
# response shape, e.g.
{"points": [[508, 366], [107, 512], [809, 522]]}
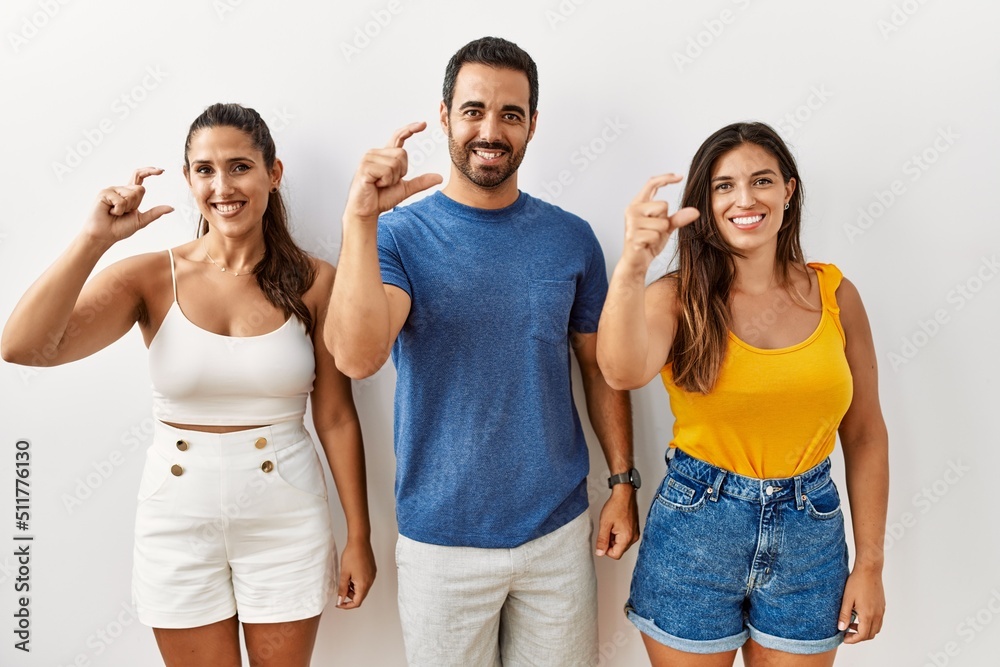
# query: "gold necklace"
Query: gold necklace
{"points": [[222, 268]]}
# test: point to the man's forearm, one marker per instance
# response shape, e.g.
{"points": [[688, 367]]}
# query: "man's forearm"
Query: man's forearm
{"points": [[610, 413]]}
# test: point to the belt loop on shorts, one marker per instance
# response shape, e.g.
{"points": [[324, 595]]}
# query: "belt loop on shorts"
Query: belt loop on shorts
{"points": [[717, 486], [799, 496]]}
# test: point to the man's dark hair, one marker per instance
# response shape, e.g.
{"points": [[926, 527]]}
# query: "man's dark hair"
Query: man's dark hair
{"points": [[494, 52]]}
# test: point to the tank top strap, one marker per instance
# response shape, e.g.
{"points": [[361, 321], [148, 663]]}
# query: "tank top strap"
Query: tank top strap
{"points": [[829, 277], [173, 273]]}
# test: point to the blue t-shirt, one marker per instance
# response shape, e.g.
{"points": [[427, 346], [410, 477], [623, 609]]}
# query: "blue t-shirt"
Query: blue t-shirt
{"points": [[489, 448]]}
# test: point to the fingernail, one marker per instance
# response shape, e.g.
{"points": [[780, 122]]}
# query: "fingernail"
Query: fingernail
{"points": [[841, 626], [599, 552], [339, 600]]}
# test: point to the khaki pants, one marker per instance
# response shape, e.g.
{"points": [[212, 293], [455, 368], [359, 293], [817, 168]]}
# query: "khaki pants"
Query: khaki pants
{"points": [[535, 604]]}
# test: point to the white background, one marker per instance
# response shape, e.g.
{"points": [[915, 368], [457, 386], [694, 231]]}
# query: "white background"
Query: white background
{"points": [[859, 89]]}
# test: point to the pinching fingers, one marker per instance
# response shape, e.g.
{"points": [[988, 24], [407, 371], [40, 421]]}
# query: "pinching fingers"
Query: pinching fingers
{"points": [[421, 183], [114, 201], [654, 184], [130, 195], [684, 217], [650, 209], [144, 172], [404, 133], [154, 213]]}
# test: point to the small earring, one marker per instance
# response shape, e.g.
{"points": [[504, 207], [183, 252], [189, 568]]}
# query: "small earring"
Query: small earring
{"points": [[273, 190], [786, 206]]}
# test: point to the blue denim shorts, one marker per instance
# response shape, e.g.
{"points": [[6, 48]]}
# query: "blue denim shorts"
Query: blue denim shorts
{"points": [[725, 557]]}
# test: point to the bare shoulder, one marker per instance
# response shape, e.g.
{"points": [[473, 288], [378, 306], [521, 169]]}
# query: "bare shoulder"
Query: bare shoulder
{"points": [[848, 297], [665, 292], [318, 294], [853, 317], [146, 260], [805, 282], [140, 284], [667, 284], [141, 273], [325, 272]]}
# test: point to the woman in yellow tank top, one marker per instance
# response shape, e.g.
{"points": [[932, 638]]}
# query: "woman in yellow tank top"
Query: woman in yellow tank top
{"points": [[765, 359]]}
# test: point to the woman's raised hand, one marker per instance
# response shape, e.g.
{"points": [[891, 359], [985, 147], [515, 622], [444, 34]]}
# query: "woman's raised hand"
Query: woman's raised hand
{"points": [[648, 224], [116, 214]]}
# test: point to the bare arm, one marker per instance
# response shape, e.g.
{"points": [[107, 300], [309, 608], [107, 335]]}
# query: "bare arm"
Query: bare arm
{"points": [[865, 442], [365, 316], [62, 317], [339, 431], [610, 413], [638, 324]]}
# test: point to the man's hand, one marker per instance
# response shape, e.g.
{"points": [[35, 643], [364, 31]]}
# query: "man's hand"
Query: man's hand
{"points": [[379, 186], [619, 526]]}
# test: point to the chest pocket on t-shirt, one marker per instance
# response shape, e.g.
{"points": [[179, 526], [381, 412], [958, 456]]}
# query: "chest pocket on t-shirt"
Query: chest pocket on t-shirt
{"points": [[551, 302]]}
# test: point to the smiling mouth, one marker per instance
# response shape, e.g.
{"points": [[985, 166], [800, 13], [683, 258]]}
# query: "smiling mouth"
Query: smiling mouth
{"points": [[488, 155], [229, 207], [747, 221]]}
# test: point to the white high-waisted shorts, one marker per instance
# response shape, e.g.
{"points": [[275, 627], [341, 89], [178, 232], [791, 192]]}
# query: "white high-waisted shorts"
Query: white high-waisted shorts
{"points": [[232, 523]]}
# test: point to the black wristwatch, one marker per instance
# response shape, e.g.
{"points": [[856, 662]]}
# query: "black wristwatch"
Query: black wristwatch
{"points": [[630, 477]]}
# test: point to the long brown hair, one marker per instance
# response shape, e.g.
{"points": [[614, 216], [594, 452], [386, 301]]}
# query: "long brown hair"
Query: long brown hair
{"points": [[285, 272], [706, 269]]}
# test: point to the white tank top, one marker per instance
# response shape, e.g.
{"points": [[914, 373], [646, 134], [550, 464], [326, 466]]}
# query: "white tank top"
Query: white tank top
{"points": [[200, 377]]}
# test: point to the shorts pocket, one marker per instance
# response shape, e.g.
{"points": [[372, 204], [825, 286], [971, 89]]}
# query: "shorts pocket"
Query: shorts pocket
{"points": [[551, 302], [299, 467], [155, 473], [681, 493], [823, 503]]}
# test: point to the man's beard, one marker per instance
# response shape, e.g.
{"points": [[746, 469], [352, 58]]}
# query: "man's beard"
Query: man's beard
{"points": [[487, 177]]}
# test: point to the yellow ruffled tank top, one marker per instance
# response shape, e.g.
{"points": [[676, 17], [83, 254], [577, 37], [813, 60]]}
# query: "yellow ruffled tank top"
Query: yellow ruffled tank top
{"points": [[772, 413]]}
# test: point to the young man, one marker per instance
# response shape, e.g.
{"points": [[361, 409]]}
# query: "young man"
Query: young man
{"points": [[475, 291]]}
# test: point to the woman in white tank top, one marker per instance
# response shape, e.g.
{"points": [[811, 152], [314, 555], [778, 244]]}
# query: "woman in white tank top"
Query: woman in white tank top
{"points": [[232, 523]]}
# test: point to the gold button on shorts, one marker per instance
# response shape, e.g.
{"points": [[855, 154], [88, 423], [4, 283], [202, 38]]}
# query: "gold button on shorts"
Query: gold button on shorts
{"points": [[217, 537]]}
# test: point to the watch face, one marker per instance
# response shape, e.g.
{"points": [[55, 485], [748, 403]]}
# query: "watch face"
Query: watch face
{"points": [[629, 477]]}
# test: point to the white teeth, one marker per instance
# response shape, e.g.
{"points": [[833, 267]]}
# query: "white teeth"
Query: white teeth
{"points": [[228, 208], [487, 156], [744, 222]]}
